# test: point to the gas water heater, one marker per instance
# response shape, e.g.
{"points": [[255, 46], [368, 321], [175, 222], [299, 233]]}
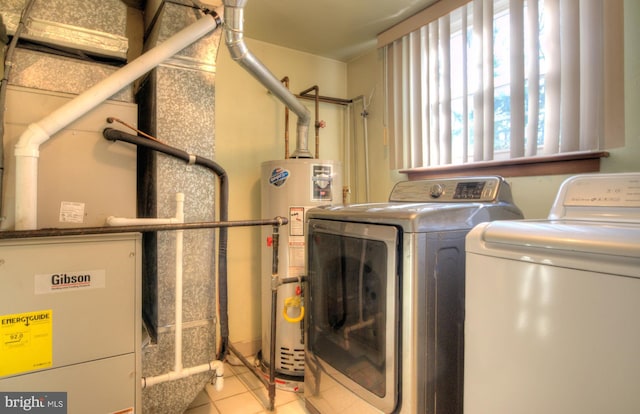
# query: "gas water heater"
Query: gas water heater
{"points": [[289, 188]]}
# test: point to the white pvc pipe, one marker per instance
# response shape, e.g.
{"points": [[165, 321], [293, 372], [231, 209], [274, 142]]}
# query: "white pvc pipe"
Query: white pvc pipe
{"points": [[179, 218], [178, 371], [178, 298], [216, 366], [27, 148]]}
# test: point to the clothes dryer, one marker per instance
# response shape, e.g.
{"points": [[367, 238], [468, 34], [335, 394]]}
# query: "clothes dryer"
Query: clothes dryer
{"points": [[552, 305], [385, 297]]}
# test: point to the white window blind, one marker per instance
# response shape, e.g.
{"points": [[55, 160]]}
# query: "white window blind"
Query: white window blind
{"points": [[487, 80]]}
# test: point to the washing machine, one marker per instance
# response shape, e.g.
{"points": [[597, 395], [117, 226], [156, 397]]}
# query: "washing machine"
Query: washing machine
{"points": [[552, 305], [385, 296]]}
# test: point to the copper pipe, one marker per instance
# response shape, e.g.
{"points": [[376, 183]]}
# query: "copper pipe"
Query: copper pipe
{"points": [[327, 99], [317, 124], [317, 98], [285, 80]]}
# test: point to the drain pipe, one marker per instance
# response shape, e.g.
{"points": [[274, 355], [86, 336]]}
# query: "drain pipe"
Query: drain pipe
{"points": [[27, 148], [179, 218], [178, 370], [126, 221], [216, 366], [234, 26]]}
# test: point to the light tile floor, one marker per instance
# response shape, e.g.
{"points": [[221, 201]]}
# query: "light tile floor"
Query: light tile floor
{"points": [[243, 393]]}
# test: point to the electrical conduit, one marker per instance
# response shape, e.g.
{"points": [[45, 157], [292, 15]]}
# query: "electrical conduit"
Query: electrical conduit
{"points": [[27, 148]]}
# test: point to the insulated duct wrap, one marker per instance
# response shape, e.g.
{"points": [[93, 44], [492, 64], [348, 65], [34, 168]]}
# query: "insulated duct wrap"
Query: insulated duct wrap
{"points": [[48, 72], [96, 27], [177, 106]]}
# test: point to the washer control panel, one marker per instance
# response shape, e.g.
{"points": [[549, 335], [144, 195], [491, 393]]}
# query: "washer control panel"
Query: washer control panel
{"points": [[604, 197], [473, 189], [619, 190]]}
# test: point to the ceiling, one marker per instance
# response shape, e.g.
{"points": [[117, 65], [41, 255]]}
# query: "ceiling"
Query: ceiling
{"points": [[336, 29]]}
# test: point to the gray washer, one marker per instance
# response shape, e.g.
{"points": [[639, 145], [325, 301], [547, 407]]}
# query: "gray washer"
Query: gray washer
{"points": [[385, 298]]}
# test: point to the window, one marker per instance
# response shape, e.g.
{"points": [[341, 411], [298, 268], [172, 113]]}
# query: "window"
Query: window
{"points": [[491, 80]]}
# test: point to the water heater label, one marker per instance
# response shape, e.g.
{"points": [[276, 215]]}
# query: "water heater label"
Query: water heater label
{"points": [[278, 176], [321, 176], [296, 221], [69, 280], [297, 252]]}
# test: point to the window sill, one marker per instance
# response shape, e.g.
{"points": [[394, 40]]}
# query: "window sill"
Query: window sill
{"points": [[570, 163]]}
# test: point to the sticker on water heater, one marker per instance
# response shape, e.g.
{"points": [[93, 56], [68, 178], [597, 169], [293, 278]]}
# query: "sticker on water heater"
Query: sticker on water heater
{"points": [[296, 221], [278, 176], [321, 176], [66, 281], [296, 257]]}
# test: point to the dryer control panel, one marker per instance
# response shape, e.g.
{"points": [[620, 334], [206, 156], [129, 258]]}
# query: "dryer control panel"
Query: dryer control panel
{"points": [[473, 189]]}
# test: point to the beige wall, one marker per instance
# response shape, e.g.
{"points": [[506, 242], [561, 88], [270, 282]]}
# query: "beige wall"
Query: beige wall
{"points": [[249, 131]]}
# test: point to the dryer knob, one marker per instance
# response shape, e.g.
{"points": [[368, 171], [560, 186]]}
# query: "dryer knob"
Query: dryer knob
{"points": [[436, 190]]}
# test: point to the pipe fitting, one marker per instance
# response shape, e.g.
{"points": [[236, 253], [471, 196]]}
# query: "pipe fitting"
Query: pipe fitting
{"points": [[28, 144], [216, 366]]}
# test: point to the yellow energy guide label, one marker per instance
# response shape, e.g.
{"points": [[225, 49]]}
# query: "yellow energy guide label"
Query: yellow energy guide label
{"points": [[25, 342]]}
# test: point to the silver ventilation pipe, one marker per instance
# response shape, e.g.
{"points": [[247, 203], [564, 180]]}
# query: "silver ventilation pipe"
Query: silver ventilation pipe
{"points": [[233, 29]]}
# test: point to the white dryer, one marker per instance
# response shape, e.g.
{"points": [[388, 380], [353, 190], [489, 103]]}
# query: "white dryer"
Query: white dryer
{"points": [[552, 306]]}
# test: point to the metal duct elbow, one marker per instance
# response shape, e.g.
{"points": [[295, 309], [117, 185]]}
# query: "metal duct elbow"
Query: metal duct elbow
{"points": [[234, 34]]}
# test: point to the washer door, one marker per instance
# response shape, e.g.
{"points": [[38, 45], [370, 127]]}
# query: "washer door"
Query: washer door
{"points": [[352, 319]]}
